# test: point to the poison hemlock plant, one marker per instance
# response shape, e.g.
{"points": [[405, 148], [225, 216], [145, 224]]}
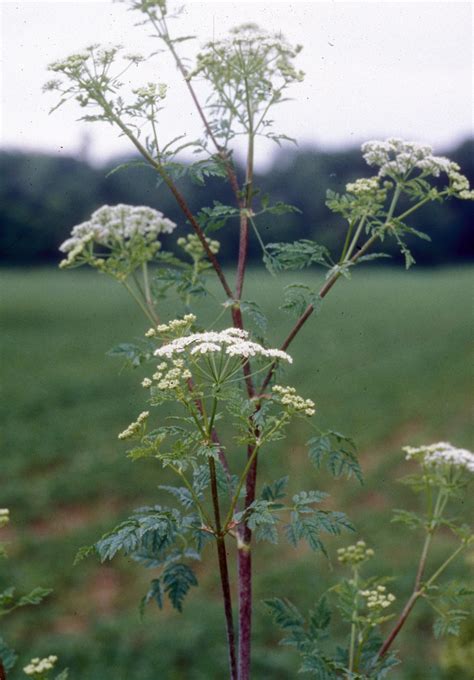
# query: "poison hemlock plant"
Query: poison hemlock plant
{"points": [[221, 379]]}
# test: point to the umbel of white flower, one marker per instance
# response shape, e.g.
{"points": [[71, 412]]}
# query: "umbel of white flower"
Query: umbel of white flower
{"points": [[378, 598], [232, 341], [39, 666], [4, 516], [441, 453], [398, 159], [121, 234]]}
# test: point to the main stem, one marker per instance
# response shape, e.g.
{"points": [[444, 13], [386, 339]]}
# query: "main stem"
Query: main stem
{"points": [[3, 673], [244, 535], [224, 572]]}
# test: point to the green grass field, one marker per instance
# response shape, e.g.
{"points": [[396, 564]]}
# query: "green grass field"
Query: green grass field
{"points": [[387, 360]]}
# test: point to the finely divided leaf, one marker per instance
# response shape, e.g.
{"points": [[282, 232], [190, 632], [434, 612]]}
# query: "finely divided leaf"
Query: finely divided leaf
{"points": [[276, 490], [293, 256], [155, 593], [337, 452], [297, 297], [177, 580]]}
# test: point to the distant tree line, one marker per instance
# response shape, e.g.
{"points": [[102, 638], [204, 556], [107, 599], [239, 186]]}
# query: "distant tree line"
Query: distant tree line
{"points": [[42, 196]]}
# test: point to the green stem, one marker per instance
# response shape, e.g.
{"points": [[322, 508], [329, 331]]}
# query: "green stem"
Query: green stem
{"points": [[239, 487], [439, 571], [419, 589], [362, 640], [139, 302], [416, 206], [205, 519], [353, 625], [212, 418], [147, 295], [346, 242], [257, 234], [355, 238], [248, 466]]}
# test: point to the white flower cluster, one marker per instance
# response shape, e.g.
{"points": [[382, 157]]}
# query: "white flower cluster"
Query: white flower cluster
{"points": [[168, 377], [134, 57], [232, 341], [270, 55], [355, 554], [378, 598], [173, 327], [73, 62], [441, 453], [363, 186], [39, 666], [151, 91], [193, 246], [134, 428], [112, 225], [397, 157], [4, 516], [287, 397]]}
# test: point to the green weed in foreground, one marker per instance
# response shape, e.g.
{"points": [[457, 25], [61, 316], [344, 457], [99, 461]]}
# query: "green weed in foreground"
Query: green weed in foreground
{"points": [[65, 480]]}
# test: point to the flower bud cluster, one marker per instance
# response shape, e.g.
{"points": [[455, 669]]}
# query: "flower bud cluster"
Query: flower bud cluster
{"points": [[174, 327], [459, 184], [441, 453], [136, 427], [192, 245], [287, 397], [116, 229], [39, 666], [134, 57], [368, 189], [378, 598], [396, 157], [4, 516], [151, 92], [168, 377], [72, 64], [363, 186], [355, 554]]}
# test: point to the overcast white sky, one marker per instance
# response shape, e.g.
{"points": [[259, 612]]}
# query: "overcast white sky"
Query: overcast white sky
{"points": [[374, 69]]}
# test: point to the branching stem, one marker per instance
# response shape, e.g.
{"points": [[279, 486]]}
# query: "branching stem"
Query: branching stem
{"points": [[420, 588]]}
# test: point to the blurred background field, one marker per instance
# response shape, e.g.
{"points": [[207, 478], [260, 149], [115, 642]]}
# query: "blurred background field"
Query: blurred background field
{"points": [[387, 360]]}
